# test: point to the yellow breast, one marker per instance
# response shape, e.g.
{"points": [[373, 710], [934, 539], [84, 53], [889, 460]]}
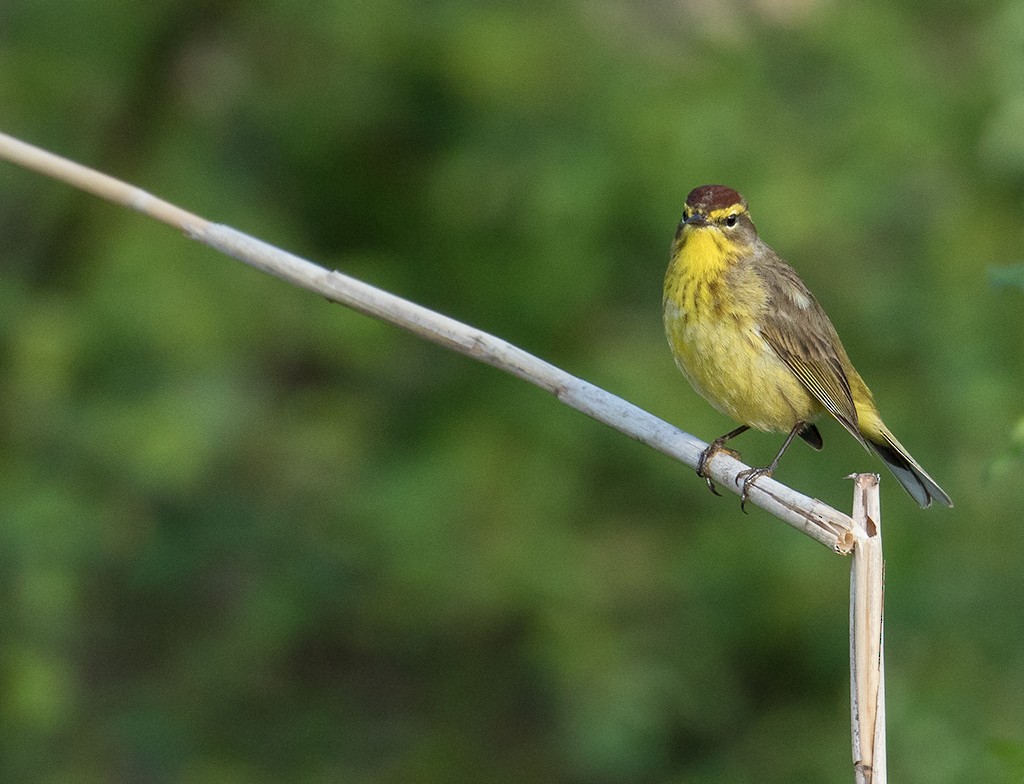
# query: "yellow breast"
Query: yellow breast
{"points": [[711, 307]]}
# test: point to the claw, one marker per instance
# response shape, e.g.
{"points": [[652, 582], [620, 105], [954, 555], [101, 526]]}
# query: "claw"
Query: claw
{"points": [[702, 462], [750, 476], [716, 446], [711, 485]]}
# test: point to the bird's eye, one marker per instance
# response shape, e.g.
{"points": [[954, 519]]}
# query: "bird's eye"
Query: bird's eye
{"points": [[731, 220]]}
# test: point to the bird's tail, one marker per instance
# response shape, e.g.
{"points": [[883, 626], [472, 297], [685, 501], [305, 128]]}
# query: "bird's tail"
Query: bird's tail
{"points": [[915, 479]]}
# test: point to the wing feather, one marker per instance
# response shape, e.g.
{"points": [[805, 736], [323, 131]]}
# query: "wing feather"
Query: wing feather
{"points": [[797, 329]]}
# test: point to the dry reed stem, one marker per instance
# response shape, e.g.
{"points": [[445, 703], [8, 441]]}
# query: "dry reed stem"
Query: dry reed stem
{"points": [[867, 663], [815, 519]]}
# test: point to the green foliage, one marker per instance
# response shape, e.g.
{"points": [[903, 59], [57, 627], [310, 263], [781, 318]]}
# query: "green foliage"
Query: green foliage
{"points": [[248, 536], [1008, 275]]}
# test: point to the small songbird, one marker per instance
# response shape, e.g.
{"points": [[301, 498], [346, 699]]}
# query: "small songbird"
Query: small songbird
{"points": [[755, 343]]}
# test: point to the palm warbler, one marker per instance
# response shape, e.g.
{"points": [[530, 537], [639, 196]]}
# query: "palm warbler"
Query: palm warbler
{"points": [[755, 343]]}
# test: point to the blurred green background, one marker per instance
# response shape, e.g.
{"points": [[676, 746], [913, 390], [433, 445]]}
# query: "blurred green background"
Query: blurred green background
{"points": [[248, 536]]}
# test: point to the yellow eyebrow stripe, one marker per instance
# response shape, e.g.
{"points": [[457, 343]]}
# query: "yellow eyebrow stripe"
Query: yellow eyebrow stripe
{"points": [[719, 214]]}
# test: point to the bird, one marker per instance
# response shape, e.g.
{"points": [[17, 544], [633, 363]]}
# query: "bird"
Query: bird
{"points": [[752, 340]]}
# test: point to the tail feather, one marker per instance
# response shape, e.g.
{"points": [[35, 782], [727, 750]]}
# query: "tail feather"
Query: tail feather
{"points": [[908, 473]]}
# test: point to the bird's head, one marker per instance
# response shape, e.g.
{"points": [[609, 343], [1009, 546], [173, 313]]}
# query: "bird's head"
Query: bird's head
{"points": [[717, 209]]}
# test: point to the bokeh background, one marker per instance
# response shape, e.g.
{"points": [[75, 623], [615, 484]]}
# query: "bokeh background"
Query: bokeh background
{"points": [[248, 536]]}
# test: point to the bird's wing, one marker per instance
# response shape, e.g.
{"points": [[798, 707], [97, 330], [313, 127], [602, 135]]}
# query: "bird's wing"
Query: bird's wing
{"points": [[797, 329]]}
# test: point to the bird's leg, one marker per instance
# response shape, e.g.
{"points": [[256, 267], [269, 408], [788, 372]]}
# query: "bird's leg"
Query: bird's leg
{"points": [[752, 474], [716, 446]]}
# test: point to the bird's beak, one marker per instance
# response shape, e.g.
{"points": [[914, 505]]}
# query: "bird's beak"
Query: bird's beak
{"points": [[696, 220]]}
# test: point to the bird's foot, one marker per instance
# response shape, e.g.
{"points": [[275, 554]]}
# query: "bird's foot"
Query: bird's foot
{"points": [[716, 446], [748, 478]]}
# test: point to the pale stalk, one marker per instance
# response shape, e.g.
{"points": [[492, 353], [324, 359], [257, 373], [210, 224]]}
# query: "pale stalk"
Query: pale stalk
{"points": [[867, 660]]}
